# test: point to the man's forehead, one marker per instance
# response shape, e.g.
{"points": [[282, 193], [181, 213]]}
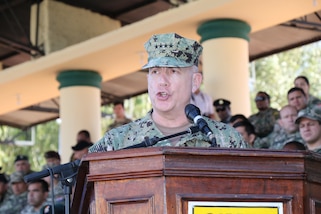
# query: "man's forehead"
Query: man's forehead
{"points": [[21, 162]]}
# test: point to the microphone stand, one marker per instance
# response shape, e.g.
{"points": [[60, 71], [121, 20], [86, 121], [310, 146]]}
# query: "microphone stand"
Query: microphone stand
{"points": [[151, 142], [67, 179]]}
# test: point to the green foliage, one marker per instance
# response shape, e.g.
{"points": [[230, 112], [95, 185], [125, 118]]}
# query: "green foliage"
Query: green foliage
{"points": [[46, 139]]}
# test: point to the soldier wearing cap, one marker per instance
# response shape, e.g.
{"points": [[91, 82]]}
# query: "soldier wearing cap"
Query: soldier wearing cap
{"points": [[22, 164], [223, 110], [18, 200], [309, 121], [172, 78]]}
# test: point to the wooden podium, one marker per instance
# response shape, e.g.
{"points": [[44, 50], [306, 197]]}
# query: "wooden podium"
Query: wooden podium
{"points": [[172, 180]]}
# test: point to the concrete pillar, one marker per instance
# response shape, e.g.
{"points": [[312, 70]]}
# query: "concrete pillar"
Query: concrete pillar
{"points": [[79, 107], [226, 62]]}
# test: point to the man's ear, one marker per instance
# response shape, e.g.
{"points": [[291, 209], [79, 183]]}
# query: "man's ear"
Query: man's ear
{"points": [[197, 81]]}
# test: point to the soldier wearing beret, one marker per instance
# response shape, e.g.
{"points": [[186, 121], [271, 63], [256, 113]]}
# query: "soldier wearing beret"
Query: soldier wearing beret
{"points": [[223, 110], [309, 121], [22, 164], [172, 78]]}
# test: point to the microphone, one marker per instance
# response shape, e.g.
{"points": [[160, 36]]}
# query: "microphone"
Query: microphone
{"points": [[72, 166], [193, 114]]}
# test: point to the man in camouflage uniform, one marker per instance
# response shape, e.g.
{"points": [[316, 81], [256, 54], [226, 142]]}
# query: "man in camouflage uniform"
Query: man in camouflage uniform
{"points": [[120, 116], [246, 129], [53, 160], [265, 120], [309, 121], [297, 98], [303, 82], [289, 129], [37, 196], [18, 200], [21, 164], [173, 77]]}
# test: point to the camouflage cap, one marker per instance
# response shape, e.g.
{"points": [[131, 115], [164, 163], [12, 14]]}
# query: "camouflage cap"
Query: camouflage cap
{"points": [[16, 177], [172, 50], [310, 113]]}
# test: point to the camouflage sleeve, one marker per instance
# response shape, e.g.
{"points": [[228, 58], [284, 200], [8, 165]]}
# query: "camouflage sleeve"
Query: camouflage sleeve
{"points": [[226, 136], [102, 145]]}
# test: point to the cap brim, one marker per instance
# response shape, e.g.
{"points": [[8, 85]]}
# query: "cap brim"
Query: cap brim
{"points": [[167, 62], [297, 121]]}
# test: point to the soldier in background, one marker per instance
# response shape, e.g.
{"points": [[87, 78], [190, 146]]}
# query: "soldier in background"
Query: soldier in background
{"points": [[222, 108], [289, 130], [21, 164], [120, 116], [265, 119], [18, 200], [37, 196], [309, 121]]}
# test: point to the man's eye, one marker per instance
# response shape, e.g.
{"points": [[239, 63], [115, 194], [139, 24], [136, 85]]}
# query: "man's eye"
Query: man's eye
{"points": [[174, 71], [153, 71]]}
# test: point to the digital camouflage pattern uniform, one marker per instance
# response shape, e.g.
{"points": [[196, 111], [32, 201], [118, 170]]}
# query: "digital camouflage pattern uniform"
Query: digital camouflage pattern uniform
{"points": [[134, 133], [14, 204], [119, 123], [264, 121], [279, 139], [313, 101], [31, 210]]}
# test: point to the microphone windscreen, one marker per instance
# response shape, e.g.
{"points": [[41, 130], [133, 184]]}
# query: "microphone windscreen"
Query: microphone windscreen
{"points": [[191, 111]]}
